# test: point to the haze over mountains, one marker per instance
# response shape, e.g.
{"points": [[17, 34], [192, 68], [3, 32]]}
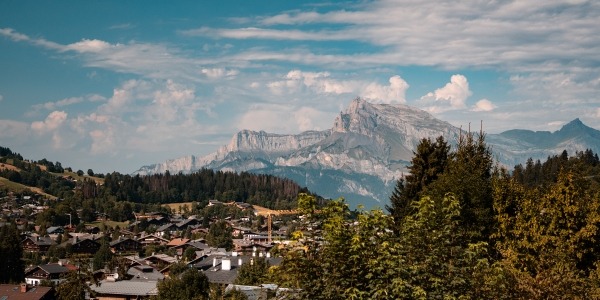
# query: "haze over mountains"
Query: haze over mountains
{"points": [[367, 149]]}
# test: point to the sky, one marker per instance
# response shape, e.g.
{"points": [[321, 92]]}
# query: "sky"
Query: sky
{"points": [[116, 85]]}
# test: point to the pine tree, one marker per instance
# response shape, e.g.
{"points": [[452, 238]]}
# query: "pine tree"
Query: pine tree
{"points": [[12, 268], [427, 164]]}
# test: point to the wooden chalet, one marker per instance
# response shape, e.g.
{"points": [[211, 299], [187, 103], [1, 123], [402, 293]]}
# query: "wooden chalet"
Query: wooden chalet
{"points": [[37, 244]]}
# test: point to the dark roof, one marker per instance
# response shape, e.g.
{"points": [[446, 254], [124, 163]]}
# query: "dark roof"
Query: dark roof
{"points": [[41, 240], [166, 226], [13, 292], [120, 240], [217, 275], [50, 269]]}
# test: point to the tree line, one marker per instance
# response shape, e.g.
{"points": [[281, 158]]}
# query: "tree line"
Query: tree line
{"points": [[459, 227]]}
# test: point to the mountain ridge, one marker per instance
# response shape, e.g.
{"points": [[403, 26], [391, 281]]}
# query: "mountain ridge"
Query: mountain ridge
{"points": [[368, 147]]}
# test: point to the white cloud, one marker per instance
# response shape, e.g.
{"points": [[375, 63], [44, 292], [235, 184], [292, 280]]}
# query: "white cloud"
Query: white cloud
{"points": [[450, 97], [216, 73], [484, 105], [322, 83], [394, 93], [279, 118], [91, 46], [52, 122]]}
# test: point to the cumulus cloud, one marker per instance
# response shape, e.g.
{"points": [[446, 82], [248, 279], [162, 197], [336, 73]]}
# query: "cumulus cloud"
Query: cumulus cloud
{"points": [[450, 97], [393, 93], [52, 122], [323, 83], [484, 105]]}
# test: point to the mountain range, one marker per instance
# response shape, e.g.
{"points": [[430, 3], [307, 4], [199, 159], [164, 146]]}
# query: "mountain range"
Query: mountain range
{"points": [[367, 150]]}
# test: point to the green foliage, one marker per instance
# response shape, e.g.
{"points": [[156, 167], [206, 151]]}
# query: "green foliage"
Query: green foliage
{"points": [[102, 256], [428, 163], [220, 235], [254, 273], [12, 268], [73, 288], [191, 284]]}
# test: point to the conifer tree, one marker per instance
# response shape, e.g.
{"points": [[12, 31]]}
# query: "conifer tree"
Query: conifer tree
{"points": [[428, 163]]}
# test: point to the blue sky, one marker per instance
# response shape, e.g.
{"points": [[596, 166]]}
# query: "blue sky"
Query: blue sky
{"points": [[114, 85]]}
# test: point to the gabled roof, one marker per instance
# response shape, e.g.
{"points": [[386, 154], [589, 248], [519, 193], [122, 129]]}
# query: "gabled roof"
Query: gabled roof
{"points": [[166, 226], [40, 240], [49, 268], [126, 287], [121, 240], [177, 242], [13, 292]]}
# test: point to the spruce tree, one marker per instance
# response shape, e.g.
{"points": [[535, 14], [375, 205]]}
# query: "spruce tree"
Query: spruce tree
{"points": [[429, 161]]}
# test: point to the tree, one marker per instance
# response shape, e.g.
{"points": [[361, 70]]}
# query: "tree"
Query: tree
{"points": [[548, 241], [90, 172], [468, 177], [79, 173], [219, 235], [12, 268], [253, 273], [102, 256], [428, 163], [191, 284], [73, 288]]}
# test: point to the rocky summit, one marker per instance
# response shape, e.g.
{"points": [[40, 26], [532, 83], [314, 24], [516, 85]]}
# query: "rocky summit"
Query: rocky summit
{"points": [[367, 150]]}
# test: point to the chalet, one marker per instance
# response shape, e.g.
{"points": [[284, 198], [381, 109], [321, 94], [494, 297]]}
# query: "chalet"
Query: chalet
{"points": [[144, 273], [243, 205], [160, 261], [179, 245], [126, 290], [169, 228], [122, 245], [25, 292], [214, 202], [51, 272], [55, 230], [37, 244], [185, 224], [224, 269], [152, 239], [84, 246], [248, 246]]}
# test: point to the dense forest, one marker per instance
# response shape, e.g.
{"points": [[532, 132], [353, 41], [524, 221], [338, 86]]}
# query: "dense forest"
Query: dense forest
{"points": [[459, 227], [52, 178]]}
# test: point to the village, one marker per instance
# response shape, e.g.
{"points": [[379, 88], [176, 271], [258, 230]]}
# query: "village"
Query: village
{"points": [[129, 260]]}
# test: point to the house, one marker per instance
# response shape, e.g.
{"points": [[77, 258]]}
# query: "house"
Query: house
{"points": [[84, 246], [185, 224], [25, 292], [55, 230], [37, 244], [125, 289], [179, 244], [243, 205], [169, 228], [144, 273], [214, 202], [152, 239], [51, 272], [160, 261], [125, 245], [224, 269]]}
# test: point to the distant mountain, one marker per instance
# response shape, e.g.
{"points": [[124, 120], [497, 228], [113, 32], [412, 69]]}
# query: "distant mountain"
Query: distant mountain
{"points": [[367, 149], [513, 147]]}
